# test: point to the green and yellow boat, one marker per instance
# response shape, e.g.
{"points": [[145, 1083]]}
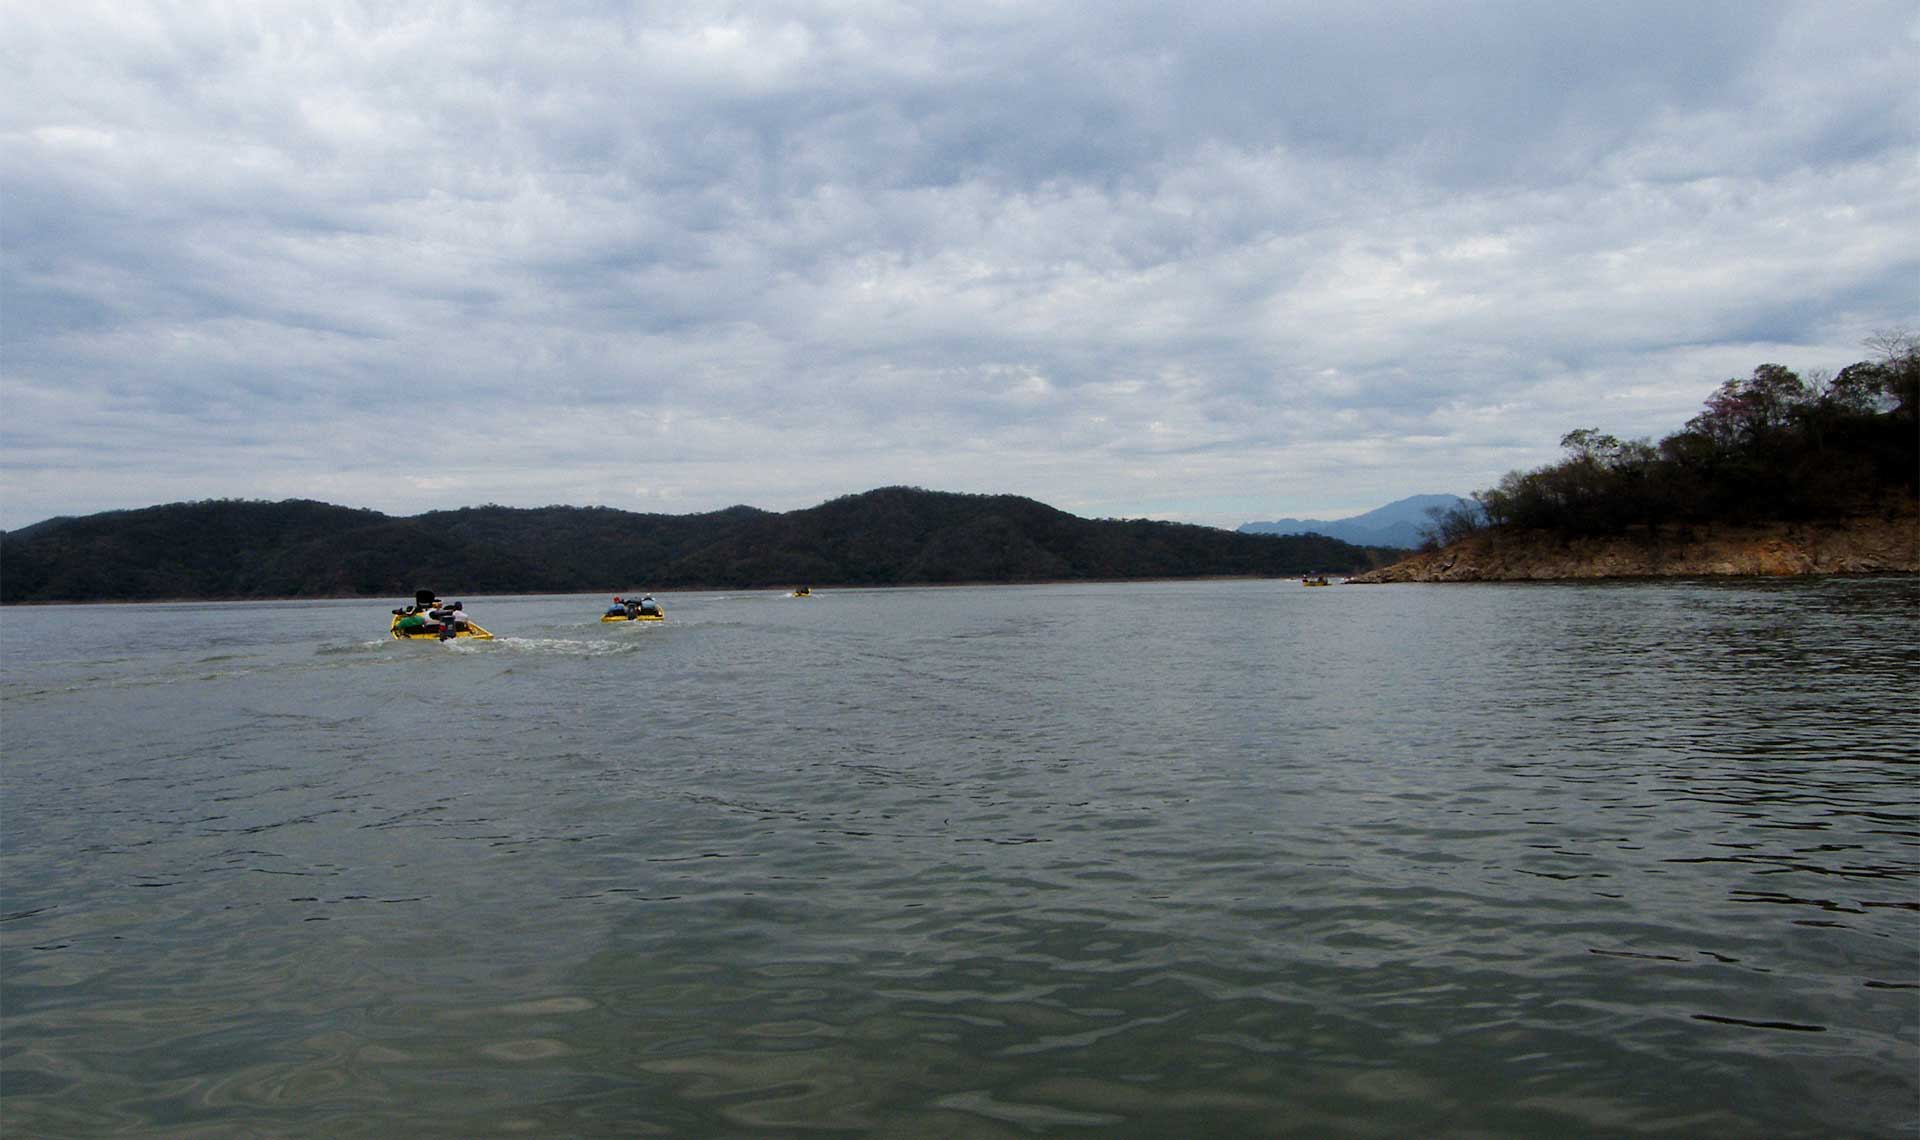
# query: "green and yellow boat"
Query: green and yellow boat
{"points": [[427, 620]]}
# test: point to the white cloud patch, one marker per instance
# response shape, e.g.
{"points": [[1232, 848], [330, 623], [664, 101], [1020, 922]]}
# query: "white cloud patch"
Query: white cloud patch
{"points": [[1235, 262]]}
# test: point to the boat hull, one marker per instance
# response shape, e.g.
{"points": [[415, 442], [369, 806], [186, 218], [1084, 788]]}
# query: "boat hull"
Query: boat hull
{"points": [[634, 617], [471, 633]]}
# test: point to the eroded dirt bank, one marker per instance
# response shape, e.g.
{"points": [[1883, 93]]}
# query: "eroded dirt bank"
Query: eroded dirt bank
{"points": [[1874, 545]]}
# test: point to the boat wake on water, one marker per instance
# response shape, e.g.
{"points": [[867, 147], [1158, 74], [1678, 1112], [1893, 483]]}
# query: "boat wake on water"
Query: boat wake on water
{"points": [[555, 646], [497, 646], [376, 645]]}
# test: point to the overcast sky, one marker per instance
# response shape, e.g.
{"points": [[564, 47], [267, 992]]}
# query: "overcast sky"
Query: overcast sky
{"points": [[1213, 262]]}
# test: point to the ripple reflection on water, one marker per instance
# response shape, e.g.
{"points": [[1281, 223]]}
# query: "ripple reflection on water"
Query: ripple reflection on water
{"points": [[1235, 861]]}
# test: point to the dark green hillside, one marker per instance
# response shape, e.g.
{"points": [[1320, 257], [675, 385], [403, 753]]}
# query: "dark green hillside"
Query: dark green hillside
{"points": [[586, 548], [225, 548], [901, 535], [891, 536]]}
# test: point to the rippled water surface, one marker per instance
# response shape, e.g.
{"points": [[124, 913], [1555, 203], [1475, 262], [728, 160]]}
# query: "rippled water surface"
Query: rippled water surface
{"points": [[1185, 859]]}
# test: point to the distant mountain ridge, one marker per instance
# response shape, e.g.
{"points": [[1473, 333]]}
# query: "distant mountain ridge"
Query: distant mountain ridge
{"points": [[888, 536], [1401, 524]]}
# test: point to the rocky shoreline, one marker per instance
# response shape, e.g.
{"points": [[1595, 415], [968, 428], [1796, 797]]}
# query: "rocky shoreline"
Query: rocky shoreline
{"points": [[1870, 545]]}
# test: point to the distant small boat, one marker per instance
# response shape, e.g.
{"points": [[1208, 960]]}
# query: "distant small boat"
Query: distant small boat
{"points": [[802, 592], [634, 609], [1316, 580], [428, 620]]}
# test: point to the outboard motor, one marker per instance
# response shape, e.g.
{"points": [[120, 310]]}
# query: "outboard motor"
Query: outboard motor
{"points": [[423, 598]]}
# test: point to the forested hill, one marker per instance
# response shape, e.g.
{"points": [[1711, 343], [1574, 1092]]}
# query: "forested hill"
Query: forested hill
{"points": [[890, 536], [1777, 474]]}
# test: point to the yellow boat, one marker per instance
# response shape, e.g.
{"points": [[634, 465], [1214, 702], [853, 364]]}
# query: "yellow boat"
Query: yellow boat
{"points": [[1321, 581], [426, 628], [437, 633], [802, 592], [634, 609]]}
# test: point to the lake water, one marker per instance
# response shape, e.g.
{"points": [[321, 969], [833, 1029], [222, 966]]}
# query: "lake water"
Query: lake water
{"points": [[1223, 859]]}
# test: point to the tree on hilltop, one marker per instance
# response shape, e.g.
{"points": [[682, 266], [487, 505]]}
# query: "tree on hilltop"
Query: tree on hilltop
{"points": [[1770, 445]]}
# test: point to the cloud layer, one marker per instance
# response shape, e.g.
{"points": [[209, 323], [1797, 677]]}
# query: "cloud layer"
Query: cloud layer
{"points": [[1244, 261]]}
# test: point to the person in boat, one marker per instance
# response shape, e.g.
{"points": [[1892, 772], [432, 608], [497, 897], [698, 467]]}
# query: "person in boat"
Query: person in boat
{"points": [[647, 606], [457, 620], [423, 601], [422, 615], [617, 609], [440, 618]]}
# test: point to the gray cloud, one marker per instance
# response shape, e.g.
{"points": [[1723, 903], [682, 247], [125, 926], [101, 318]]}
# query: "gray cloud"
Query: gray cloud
{"points": [[1236, 262]]}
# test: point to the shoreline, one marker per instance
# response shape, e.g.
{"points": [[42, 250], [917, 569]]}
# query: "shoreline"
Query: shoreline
{"points": [[1367, 579], [1867, 546], [826, 586]]}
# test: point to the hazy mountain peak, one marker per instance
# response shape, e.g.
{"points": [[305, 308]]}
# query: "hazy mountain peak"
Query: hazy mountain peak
{"points": [[1400, 523]]}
